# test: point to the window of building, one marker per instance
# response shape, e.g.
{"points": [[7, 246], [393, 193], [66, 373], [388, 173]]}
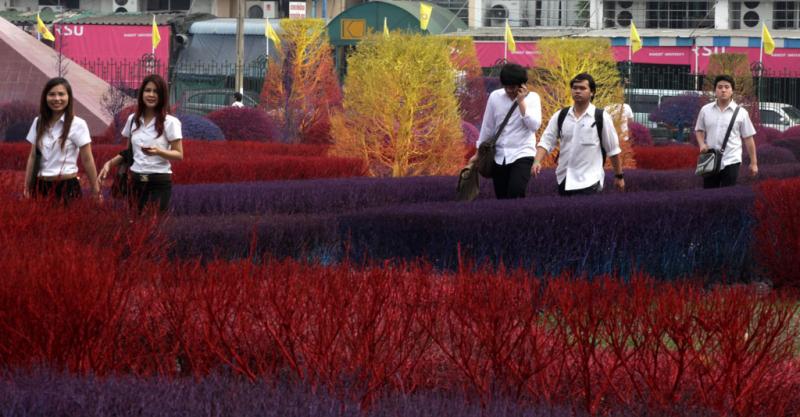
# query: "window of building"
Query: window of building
{"points": [[158, 5], [62, 4], [786, 15], [679, 14]]}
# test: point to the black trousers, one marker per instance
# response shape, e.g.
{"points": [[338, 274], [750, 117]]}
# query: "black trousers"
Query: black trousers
{"points": [[64, 191], [562, 189], [156, 190], [511, 180], [724, 178]]}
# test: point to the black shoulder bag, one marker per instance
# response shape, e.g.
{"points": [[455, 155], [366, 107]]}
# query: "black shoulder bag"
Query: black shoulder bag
{"points": [[709, 163], [120, 188], [487, 150]]}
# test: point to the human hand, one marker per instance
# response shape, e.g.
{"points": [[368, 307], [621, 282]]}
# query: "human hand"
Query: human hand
{"points": [[522, 92], [619, 184], [151, 150], [703, 148], [753, 170], [103, 172], [536, 168]]}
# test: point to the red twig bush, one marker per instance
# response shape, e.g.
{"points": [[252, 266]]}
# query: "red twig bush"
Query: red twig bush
{"points": [[777, 212], [666, 157]]}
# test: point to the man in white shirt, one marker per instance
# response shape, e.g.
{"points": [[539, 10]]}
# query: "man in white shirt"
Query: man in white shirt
{"points": [[625, 113], [580, 158], [237, 100], [516, 146], [712, 123]]}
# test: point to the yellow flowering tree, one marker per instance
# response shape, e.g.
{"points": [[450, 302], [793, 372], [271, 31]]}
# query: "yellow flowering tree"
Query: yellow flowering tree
{"points": [[302, 89], [562, 59], [400, 113]]}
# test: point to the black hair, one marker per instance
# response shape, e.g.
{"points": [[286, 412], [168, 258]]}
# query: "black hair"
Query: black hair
{"points": [[584, 76], [724, 77], [46, 113], [237, 96], [513, 74]]}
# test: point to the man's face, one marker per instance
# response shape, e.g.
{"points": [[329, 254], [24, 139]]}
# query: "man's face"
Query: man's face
{"points": [[723, 91], [512, 90], [581, 92]]}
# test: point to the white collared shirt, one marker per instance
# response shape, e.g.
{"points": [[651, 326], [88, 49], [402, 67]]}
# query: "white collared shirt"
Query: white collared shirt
{"points": [[714, 122], [146, 136], [57, 161], [580, 158], [623, 112], [518, 139]]}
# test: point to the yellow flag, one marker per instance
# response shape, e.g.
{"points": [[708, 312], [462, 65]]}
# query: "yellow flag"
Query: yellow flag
{"points": [[636, 41], [385, 28], [767, 41], [425, 11], [269, 32], [156, 35], [42, 28], [512, 46]]}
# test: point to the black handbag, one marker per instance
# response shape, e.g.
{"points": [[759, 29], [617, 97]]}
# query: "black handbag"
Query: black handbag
{"points": [[37, 165], [487, 150], [709, 162], [468, 184], [120, 188]]}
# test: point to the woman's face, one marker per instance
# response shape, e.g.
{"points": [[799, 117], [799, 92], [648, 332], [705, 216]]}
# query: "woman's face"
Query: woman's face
{"points": [[150, 95], [58, 99]]}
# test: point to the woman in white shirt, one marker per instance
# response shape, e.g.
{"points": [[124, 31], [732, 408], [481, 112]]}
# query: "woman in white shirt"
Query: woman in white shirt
{"points": [[154, 136], [58, 137]]}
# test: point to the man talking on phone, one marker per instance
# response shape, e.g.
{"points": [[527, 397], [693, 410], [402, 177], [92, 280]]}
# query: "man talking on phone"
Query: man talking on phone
{"points": [[516, 145]]}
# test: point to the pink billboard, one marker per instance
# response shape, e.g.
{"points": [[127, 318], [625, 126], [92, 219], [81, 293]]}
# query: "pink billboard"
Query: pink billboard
{"points": [[489, 53], [114, 53]]}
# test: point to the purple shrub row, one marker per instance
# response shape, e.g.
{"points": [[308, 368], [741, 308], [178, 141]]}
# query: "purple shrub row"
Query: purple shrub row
{"points": [[331, 196], [668, 234], [46, 394], [198, 127]]}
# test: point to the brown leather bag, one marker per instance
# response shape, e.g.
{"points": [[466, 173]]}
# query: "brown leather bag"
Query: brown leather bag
{"points": [[487, 150]]}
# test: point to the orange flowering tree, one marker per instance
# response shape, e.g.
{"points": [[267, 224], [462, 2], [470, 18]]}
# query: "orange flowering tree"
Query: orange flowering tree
{"points": [[562, 59], [400, 114], [302, 90]]}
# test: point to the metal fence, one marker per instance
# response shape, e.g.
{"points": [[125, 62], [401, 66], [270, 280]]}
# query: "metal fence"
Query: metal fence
{"points": [[126, 75]]}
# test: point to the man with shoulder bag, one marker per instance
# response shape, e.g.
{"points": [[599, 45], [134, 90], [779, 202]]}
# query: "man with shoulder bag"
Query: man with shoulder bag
{"points": [[507, 142], [722, 128]]}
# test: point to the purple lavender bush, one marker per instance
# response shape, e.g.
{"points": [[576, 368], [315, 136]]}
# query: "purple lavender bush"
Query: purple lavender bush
{"points": [[14, 115], [639, 134], [588, 235], [43, 393], [197, 127], [471, 133], [679, 113], [771, 154], [766, 135]]}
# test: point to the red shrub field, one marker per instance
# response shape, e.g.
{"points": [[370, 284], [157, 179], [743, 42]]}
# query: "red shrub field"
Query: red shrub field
{"points": [[666, 157], [208, 162]]}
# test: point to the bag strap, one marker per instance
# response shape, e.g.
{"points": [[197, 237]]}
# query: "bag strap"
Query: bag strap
{"points": [[505, 122], [728, 132]]}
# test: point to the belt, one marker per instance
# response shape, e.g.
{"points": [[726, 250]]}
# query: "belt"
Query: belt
{"points": [[57, 177], [151, 177]]}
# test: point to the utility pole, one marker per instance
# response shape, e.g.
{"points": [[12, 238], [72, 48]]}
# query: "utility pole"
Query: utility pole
{"points": [[240, 11]]}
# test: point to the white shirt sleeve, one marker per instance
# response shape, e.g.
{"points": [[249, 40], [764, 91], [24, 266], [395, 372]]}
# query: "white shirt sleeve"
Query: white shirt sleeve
{"points": [[746, 129], [627, 111], [533, 112], [610, 138], [550, 135], [79, 133], [701, 121], [126, 131], [488, 124], [32, 132], [172, 129]]}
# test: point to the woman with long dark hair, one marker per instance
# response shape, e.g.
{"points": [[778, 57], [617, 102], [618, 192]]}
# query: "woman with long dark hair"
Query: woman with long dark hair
{"points": [[154, 136], [57, 137]]}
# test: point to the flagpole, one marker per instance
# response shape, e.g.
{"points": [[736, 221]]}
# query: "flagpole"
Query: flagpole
{"points": [[266, 38], [761, 63], [505, 43]]}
